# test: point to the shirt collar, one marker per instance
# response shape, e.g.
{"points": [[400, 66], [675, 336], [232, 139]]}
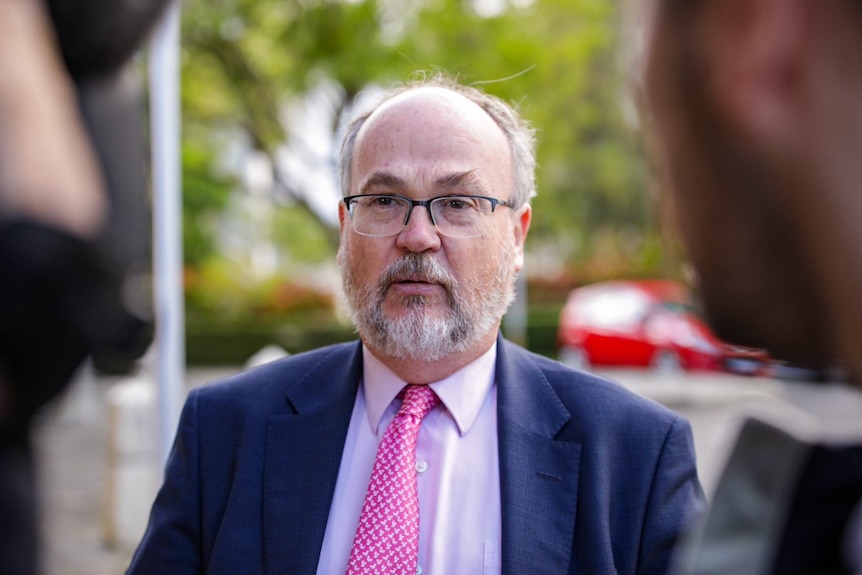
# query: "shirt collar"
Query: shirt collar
{"points": [[462, 393]]}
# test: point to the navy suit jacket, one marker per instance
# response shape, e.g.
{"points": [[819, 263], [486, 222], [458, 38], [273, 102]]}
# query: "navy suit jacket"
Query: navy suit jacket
{"points": [[594, 479]]}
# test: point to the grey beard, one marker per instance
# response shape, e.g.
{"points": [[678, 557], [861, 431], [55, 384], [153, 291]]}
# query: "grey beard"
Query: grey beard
{"points": [[474, 311]]}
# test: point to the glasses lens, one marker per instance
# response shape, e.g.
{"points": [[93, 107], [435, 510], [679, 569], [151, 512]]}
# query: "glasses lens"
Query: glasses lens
{"points": [[378, 215], [461, 216]]}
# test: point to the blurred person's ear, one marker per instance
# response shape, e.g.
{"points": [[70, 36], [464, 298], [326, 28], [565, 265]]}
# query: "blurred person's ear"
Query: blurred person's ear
{"points": [[758, 55], [718, 72], [772, 97]]}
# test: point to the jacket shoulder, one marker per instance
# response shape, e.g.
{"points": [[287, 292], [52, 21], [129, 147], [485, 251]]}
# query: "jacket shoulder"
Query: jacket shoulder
{"points": [[582, 391]]}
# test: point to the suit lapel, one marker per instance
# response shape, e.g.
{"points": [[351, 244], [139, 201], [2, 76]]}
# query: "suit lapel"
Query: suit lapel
{"points": [[538, 474], [301, 462]]}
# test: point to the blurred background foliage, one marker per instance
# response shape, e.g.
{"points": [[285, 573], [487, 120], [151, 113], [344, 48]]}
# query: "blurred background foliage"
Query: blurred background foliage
{"points": [[268, 84]]}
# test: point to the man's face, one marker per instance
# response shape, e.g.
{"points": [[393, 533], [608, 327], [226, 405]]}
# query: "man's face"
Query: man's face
{"points": [[420, 294]]}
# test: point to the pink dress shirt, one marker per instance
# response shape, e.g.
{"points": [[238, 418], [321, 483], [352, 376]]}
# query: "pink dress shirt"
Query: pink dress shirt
{"points": [[457, 468]]}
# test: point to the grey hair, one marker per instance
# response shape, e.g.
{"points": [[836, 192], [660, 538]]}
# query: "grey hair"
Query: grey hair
{"points": [[520, 135]]}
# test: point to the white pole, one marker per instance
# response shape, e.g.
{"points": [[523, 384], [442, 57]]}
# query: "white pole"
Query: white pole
{"points": [[167, 225]]}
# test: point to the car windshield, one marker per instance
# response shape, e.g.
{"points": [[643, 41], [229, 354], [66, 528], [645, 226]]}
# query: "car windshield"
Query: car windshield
{"points": [[613, 308]]}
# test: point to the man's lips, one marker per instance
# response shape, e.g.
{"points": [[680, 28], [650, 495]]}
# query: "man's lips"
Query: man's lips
{"points": [[414, 286]]}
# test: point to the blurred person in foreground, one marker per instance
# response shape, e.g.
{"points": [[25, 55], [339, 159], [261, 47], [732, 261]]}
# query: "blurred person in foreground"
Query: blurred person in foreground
{"points": [[60, 288], [522, 465], [757, 115]]}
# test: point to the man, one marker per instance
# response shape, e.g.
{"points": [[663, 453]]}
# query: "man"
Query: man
{"points": [[757, 118], [526, 466]]}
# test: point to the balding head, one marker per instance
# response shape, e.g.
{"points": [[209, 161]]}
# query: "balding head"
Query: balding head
{"points": [[519, 135]]}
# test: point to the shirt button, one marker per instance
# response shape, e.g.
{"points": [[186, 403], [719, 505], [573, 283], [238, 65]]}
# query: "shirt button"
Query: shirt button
{"points": [[418, 570], [421, 467]]}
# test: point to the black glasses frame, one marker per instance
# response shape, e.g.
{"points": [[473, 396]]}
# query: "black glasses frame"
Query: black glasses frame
{"points": [[349, 200]]}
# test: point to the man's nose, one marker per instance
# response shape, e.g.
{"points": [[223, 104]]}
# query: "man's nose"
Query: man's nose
{"points": [[419, 234]]}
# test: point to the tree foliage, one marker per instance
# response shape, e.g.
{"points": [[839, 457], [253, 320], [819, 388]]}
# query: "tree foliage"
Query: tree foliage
{"points": [[557, 59]]}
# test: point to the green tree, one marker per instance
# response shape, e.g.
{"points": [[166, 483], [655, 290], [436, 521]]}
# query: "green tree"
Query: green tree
{"points": [[244, 59]]}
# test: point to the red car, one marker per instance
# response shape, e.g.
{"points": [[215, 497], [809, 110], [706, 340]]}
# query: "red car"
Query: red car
{"points": [[648, 323]]}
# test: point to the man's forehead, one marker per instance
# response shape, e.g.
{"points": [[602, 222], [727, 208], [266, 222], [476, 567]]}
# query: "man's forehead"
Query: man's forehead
{"points": [[427, 105], [427, 134]]}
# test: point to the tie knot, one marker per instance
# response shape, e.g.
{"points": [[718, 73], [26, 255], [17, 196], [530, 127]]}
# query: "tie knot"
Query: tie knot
{"points": [[418, 400]]}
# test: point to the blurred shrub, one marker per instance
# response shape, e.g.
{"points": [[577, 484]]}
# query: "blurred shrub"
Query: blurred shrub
{"points": [[542, 322], [230, 316], [209, 343]]}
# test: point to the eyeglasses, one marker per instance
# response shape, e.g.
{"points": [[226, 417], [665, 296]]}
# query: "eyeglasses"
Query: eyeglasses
{"points": [[453, 216]]}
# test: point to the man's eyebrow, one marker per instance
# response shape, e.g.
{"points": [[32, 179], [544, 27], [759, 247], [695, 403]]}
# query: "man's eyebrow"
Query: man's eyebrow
{"points": [[382, 179], [450, 182], [461, 180]]}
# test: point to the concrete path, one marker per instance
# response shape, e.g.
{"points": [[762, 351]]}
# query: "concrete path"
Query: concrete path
{"points": [[71, 442]]}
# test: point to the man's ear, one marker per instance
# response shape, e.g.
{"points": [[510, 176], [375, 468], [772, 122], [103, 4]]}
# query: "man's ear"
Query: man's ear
{"points": [[343, 229], [521, 227], [343, 216], [756, 52]]}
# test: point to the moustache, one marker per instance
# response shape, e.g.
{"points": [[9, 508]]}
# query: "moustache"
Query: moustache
{"points": [[416, 268]]}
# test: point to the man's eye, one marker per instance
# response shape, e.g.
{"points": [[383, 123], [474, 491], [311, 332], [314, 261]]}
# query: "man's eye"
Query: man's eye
{"points": [[382, 201], [457, 204]]}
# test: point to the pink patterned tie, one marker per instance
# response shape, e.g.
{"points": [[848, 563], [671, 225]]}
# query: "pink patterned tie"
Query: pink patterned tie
{"points": [[387, 538]]}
